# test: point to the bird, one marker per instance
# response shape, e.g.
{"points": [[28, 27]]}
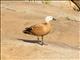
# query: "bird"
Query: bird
{"points": [[41, 29]]}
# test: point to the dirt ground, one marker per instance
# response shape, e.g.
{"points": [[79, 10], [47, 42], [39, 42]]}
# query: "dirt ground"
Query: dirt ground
{"points": [[62, 42]]}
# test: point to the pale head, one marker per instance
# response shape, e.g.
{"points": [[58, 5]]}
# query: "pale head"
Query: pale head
{"points": [[49, 18]]}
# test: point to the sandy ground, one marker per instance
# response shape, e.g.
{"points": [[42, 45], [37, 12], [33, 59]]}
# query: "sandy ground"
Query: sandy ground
{"points": [[62, 42]]}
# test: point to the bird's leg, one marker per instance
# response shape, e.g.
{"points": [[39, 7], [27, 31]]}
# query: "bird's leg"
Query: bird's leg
{"points": [[38, 38], [42, 41]]}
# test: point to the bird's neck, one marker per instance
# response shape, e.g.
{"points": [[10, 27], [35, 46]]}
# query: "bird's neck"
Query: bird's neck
{"points": [[47, 23]]}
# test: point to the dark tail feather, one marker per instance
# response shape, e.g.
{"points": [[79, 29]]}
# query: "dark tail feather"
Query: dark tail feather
{"points": [[27, 30]]}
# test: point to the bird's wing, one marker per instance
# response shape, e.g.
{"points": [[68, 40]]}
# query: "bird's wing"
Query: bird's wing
{"points": [[39, 29]]}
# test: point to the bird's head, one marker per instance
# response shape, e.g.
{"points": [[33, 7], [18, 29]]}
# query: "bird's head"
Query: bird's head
{"points": [[49, 18]]}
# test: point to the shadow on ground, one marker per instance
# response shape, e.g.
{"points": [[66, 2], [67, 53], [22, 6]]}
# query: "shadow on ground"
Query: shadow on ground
{"points": [[30, 41], [60, 44]]}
